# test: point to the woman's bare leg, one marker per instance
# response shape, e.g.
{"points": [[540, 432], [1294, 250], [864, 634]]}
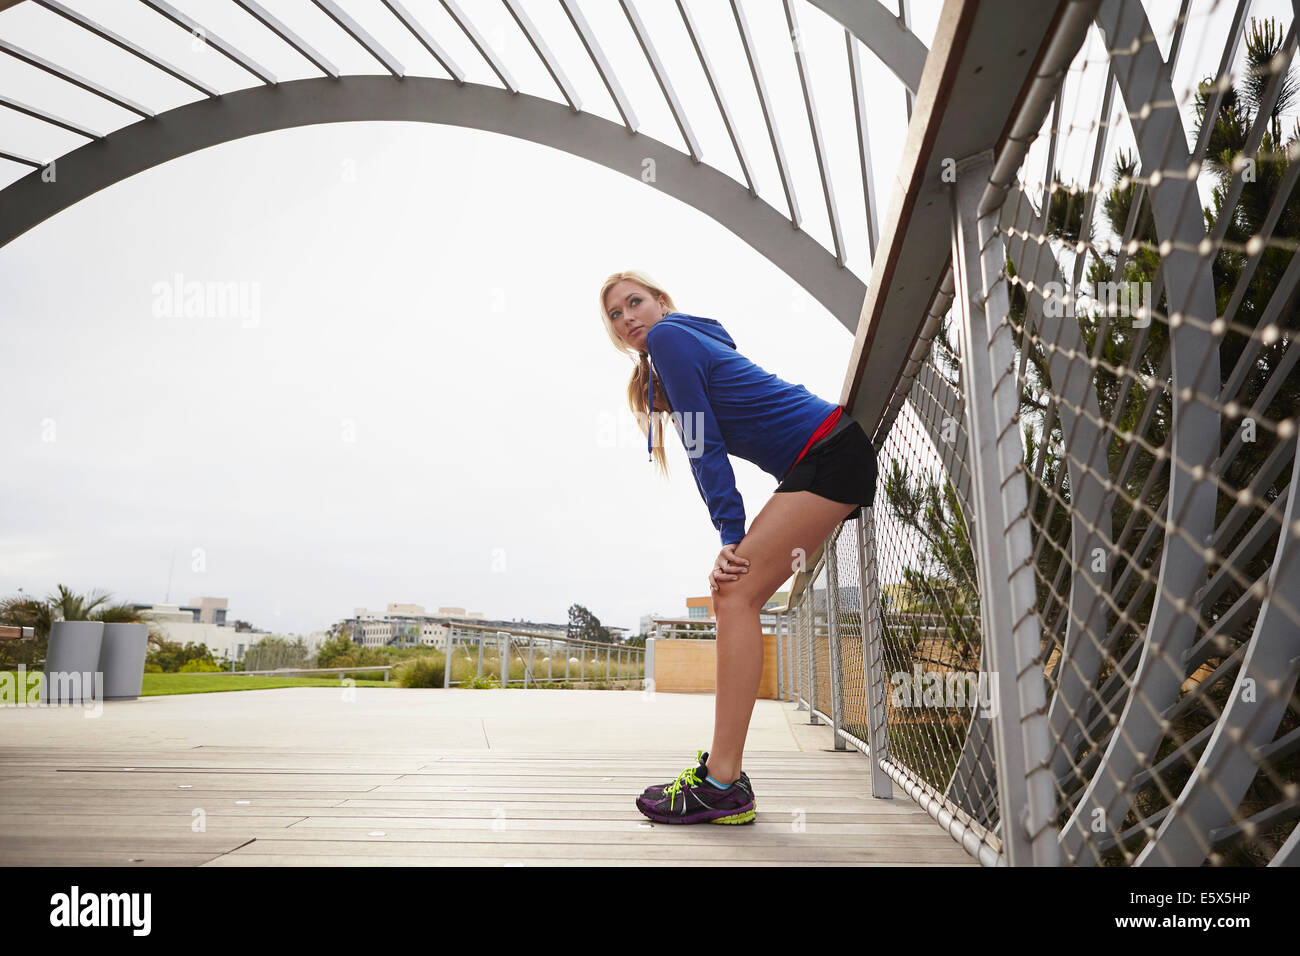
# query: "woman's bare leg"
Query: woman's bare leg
{"points": [[792, 525]]}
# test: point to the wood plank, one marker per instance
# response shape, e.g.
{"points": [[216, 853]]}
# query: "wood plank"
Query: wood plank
{"points": [[605, 853], [244, 859], [265, 807], [630, 833], [35, 798], [82, 857], [575, 810]]}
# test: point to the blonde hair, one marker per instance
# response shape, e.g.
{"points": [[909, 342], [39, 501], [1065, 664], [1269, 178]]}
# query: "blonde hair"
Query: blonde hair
{"points": [[638, 385]]}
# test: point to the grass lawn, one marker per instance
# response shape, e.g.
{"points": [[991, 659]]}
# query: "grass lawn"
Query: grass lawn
{"points": [[157, 684]]}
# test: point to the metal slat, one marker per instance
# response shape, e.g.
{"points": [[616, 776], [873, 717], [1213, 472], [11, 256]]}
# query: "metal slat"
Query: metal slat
{"points": [[358, 33], [481, 44], [717, 97], [262, 15], [544, 53], [426, 40], [815, 127], [53, 69], [118, 40], [49, 118], [597, 55], [221, 46], [661, 75], [764, 101], [14, 158], [864, 141], [905, 20]]}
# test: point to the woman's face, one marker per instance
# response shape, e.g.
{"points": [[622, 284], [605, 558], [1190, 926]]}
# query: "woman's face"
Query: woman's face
{"points": [[632, 309]]}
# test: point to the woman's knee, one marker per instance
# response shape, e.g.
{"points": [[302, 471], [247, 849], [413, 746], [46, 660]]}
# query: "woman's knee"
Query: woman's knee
{"points": [[738, 597]]}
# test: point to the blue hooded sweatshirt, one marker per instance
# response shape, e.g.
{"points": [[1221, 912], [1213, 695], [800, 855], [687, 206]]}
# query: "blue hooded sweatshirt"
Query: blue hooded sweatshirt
{"points": [[725, 404]]}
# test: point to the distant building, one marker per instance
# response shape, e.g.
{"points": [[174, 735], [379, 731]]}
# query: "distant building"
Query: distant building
{"points": [[410, 625], [699, 611], [203, 621], [212, 610], [184, 624]]}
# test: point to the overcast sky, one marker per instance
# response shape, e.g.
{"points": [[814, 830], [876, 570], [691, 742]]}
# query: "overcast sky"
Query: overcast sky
{"points": [[417, 409]]}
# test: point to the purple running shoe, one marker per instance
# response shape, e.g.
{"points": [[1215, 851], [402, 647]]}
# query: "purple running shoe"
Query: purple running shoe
{"points": [[655, 791], [692, 799]]}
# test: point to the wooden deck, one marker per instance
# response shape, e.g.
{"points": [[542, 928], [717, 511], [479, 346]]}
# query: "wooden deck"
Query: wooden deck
{"points": [[172, 804], [453, 809]]}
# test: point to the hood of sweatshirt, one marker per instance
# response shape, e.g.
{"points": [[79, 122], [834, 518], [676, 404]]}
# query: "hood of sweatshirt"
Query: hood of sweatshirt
{"points": [[704, 326]]}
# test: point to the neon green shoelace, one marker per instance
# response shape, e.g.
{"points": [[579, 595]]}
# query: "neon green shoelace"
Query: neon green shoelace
{"points": [[687, 777]]}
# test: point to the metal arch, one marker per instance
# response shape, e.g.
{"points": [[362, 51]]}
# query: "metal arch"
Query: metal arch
{"points": [[306, 102], [1172, 841], [1190, 501], [1228, 765], [942, 403], [883, 33]]}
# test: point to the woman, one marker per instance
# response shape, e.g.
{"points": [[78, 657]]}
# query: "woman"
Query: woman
{"points": [[722, 403]]}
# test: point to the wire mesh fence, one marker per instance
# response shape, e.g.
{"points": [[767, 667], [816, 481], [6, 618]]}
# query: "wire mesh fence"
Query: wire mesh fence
{"points": [[1086, 515]]}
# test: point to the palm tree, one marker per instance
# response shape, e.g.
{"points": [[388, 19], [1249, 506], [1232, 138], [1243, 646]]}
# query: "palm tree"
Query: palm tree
{"points": [[66, 605], [69, 606]]}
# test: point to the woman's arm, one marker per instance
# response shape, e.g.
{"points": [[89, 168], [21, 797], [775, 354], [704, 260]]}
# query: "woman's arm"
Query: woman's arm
{"points": [[681, 363]]}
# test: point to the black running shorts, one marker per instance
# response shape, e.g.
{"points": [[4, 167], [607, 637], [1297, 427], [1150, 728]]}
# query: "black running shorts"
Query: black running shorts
{"points": [[840, 466]]}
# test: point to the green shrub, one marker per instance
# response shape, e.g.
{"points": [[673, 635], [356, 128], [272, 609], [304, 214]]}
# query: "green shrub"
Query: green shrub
{"points": [[425, 671]]}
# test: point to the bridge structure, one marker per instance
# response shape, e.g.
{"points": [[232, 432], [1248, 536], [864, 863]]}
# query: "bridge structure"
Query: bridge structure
{"points": [[1075, 352]]}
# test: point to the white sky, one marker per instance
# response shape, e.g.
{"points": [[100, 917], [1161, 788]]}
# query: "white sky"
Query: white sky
{"points": [[428, 291]]}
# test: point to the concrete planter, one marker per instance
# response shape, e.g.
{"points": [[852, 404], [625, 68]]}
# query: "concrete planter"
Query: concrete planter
{"points": [[71, 662], [121, 658]]}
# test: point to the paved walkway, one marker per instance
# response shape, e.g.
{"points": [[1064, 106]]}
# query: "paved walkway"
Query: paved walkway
{"points": [[395, 776]]}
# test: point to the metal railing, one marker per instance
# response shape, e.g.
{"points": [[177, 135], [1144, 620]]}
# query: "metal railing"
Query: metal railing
{"points": [[520, 657], [1070, 626]]}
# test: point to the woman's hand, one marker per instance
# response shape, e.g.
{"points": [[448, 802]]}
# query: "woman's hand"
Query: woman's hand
{"points": [[727, 567]]}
